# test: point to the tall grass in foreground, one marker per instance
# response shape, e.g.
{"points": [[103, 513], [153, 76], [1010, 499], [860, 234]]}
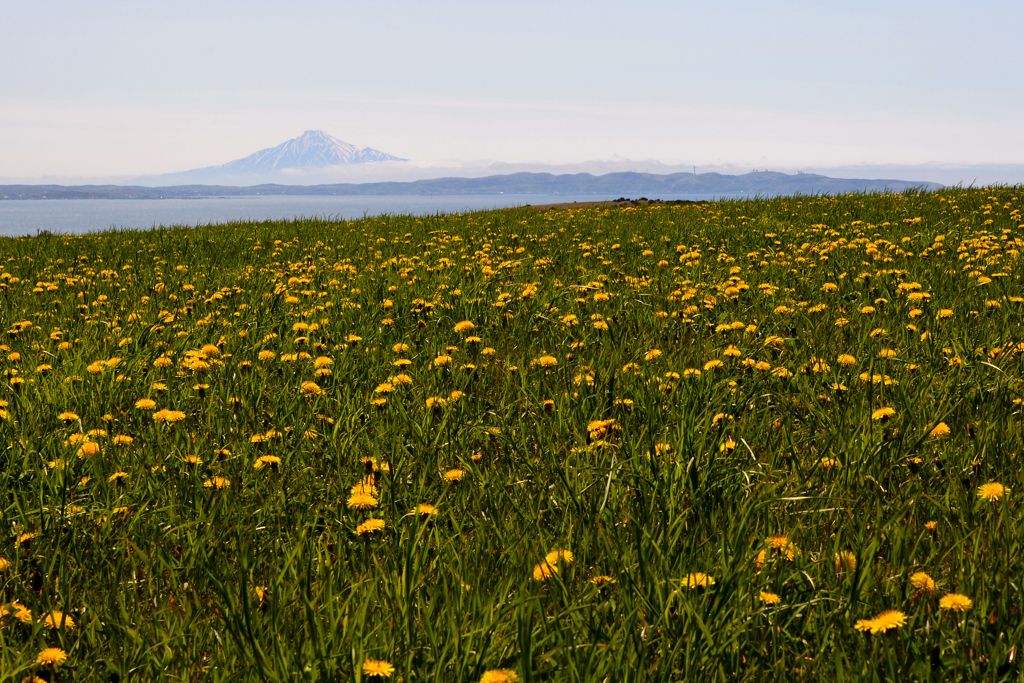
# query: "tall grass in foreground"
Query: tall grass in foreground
{"points": [[731, 441]]}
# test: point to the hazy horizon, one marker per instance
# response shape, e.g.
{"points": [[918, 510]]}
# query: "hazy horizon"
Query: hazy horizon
{"points": [[119, 89], [412, 170]]}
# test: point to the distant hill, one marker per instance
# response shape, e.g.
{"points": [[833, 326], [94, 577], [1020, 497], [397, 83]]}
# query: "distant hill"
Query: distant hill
{"points": [[768, 183]]}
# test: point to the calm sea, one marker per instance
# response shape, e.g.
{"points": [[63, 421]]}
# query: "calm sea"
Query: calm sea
{"points": [[78, 216]]}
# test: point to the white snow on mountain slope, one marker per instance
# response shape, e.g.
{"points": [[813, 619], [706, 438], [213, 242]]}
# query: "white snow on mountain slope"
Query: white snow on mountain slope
{"points": [[312, 149]]}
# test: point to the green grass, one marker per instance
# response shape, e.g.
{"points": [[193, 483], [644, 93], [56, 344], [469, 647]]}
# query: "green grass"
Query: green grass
{"points": [[699, 472]]}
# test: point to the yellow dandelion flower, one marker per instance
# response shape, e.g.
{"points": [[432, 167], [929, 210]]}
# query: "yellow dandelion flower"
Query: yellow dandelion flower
{"points": [[652, 354], [940, 431], [454, 476], [883, 414], [955, 602], [818, 365], [361, 501], [370, 527], [992, 491], [163, 362], [377, 668], [886, 621], [698, 580], [923, 583], [67, 416], [436, 403], [271, 461], [367, 485], [19, 612], [217, 483], [769, 598], [558, 555], [51, 656], [464, 326], [499, 676], [425, 509], [57, 619], [846, 561], [782, 542], [544, 571]]}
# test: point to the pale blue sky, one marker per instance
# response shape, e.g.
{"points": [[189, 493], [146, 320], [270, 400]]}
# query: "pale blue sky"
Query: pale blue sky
{"points": [[107, 88]]}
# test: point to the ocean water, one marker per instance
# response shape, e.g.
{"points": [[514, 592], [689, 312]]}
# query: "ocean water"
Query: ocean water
{"points": [[78, 216]]}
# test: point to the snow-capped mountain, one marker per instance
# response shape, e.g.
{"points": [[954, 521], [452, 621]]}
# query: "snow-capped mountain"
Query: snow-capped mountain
{"points": [[291, 162], [312, 149]]}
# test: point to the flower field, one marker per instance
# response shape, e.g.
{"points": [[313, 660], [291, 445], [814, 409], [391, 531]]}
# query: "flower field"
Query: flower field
{"points": [[759, 440]]}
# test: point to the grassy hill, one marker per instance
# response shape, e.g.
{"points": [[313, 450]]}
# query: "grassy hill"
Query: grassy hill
{"points": [[764, 440]]}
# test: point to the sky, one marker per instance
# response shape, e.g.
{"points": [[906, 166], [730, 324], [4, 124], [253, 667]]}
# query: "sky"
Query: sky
{"points": [[104, 89]]}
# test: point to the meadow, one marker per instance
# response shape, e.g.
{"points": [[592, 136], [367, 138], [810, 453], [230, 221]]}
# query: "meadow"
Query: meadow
{"points": [[748, 440]]}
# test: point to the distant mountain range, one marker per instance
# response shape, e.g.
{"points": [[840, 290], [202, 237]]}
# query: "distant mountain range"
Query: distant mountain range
{"points": [[768, 183], [279, 170]]}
